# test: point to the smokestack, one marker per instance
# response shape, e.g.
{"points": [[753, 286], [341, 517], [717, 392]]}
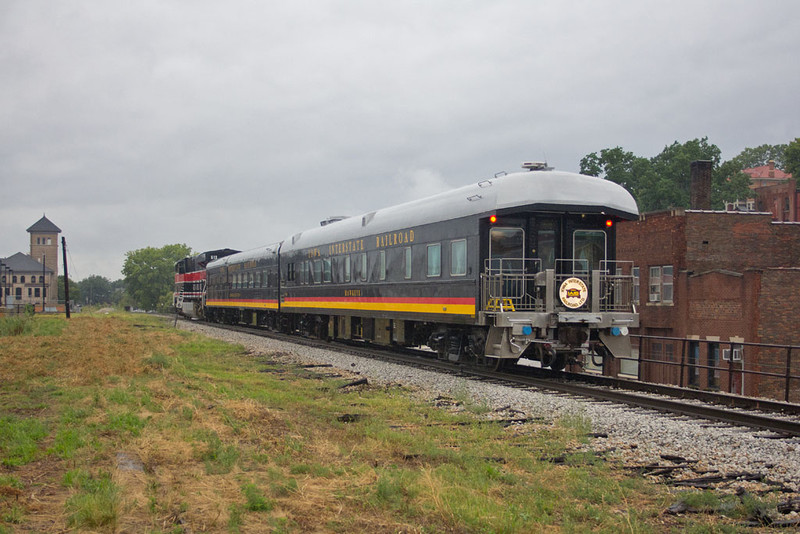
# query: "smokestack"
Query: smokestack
{"points": [[701, 185]]}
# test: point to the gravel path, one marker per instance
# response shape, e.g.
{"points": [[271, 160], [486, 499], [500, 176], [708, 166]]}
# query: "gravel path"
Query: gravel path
{"points": [[635, 437]]}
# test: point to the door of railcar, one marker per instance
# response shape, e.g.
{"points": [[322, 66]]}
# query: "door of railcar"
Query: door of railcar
{"points": [[520, 246]]}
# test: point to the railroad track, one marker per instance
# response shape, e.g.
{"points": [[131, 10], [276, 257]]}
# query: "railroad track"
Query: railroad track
{"points": [[757, 414]]}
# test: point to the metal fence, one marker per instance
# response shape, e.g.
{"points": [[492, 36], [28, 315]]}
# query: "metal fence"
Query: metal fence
{"points": [[732, 366]]}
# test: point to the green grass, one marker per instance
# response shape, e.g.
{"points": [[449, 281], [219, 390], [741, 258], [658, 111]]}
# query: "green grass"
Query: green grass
{"points": [[235, 441], [19, 439], [97, 502], [28, 325]]}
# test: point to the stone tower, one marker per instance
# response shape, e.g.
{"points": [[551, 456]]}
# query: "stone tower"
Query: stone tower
{"points": [[44, 244]]}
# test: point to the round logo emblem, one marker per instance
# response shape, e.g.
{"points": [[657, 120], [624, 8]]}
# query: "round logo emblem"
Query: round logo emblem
{"points": [[573, 293]]}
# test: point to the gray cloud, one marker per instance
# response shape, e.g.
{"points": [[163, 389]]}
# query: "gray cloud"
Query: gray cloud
{"points": [[236, 124]]}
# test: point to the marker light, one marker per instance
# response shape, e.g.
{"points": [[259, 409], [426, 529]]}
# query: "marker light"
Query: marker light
{"points": [[493, 219], [609, 223]]}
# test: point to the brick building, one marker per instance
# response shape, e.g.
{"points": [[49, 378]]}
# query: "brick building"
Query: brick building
{"points": [[773, 191], [721, 280], [33, 278]]}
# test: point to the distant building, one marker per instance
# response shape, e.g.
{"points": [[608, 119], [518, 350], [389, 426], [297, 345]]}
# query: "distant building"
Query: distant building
{"points": [[774, 191], [766, 175], [33, 278]]}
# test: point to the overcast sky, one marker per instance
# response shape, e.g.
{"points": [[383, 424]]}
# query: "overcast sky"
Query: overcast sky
{"points": [[238, 123]]}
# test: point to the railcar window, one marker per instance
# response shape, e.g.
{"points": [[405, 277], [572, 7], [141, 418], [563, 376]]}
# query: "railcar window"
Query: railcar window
{"points": [[589, 245], [382, 265], [317, 271], [326, 270], [546, 243], [435, 259], [505, 245], [458, 257], [407, 260], [347, 276], [362, 267], [250, 280]]}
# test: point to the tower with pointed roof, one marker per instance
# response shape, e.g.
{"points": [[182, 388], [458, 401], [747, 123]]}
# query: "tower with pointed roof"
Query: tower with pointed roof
{"points": [[44, 249]]}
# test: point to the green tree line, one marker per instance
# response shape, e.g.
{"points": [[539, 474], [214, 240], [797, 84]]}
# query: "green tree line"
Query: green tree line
{"points": [[663, 181]]}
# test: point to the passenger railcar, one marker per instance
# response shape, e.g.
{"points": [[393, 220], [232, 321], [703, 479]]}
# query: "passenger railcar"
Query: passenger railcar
{"points": [[518, 265], [190, 281]]}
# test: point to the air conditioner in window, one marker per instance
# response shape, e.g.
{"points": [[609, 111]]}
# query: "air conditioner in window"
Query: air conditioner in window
{"points": [[737, 354]]}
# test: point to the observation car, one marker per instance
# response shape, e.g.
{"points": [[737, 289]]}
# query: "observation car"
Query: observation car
{"points": [[519, 265], [190, 281]]}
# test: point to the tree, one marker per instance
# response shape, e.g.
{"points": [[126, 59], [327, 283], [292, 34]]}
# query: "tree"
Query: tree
{"points": [[664, 181], [150, 273], [74, 290], [618, 166], [96, 290], [791, 163], [759, 156]]}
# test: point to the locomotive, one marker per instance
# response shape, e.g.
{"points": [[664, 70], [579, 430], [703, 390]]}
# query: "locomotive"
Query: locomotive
{"points": [[520, 265], [190, 281]]}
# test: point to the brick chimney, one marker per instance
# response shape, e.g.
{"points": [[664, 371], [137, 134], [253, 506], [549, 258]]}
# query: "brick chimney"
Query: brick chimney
{"points": [[771, 164], [701, 185]]}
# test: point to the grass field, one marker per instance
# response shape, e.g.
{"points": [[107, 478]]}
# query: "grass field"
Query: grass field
{"points": [[120, 423]]}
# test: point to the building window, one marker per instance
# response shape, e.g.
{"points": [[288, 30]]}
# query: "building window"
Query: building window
{"points": [[407, 259], [713, 362], [694, 358], [458, 257], [636, 285], [655, 284], [661, 284], [666, 283], [36, 292], [435, 259]]}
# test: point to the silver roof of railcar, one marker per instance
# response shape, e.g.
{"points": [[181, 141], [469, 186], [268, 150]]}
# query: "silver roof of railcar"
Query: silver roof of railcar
{"points": [[546, 189], [252, 254]]}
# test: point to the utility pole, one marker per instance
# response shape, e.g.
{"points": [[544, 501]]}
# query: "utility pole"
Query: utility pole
{"points": [[66, 275], [44, 287]]}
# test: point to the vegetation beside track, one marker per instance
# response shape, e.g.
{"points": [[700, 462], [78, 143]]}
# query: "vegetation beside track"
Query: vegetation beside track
{"points": [[121, 423]]}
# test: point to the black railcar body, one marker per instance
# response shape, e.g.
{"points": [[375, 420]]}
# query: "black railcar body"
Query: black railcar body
{"points": [[518, 265]]}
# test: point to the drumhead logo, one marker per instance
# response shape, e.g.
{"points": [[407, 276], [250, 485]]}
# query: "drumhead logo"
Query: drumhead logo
{"points": [[573, 293]]}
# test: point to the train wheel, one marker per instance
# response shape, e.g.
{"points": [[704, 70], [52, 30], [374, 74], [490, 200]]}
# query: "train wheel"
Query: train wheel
{"points": [[559, 362]]}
